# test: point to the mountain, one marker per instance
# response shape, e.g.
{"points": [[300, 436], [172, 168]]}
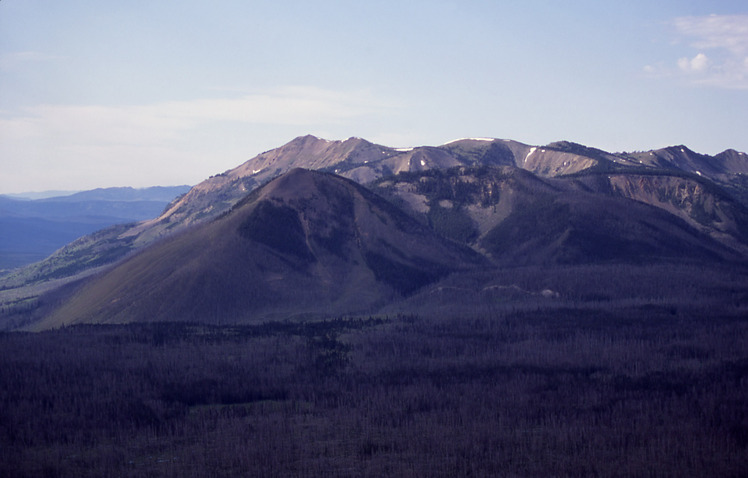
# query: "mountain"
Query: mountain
{"points": [[34, 229], [518, 218], [558, 206], [305, 244], [354, 158], [364, 162]]}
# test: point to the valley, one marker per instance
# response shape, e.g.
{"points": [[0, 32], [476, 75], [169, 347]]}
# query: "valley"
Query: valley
{"points": [[35, 228]]}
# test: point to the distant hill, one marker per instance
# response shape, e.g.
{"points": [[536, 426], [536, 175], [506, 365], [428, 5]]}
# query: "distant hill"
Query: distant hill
{"points": [[34, 229], [31, 195]]}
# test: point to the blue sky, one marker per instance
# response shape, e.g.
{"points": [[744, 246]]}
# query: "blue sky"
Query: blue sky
{"points": [[139, 93]]}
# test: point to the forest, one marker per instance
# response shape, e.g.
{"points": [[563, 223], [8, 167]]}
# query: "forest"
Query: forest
{"points": [[648, 390]]}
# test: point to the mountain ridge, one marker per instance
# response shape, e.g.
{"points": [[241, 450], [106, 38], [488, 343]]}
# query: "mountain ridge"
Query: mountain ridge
{"points": [[694, 215], [306, 243]]}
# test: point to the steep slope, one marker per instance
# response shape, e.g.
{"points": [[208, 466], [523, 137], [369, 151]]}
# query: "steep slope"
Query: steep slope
{"points": [[365, 162], [518, 218], [699, 202], [217, 194], [307, 243], [583, 229]]}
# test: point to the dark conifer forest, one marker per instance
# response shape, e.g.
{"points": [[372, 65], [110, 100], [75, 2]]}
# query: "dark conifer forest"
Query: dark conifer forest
{"points": [[647, 391]]}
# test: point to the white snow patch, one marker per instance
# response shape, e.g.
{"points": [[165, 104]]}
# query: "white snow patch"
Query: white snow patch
{"points": [[532, 150], [423, 163], [682, 150], [255, 171], [404, 150], [699, 173]]}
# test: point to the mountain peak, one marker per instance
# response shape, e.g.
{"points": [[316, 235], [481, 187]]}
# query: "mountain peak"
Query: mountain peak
{"points": [[297, 182], [307, 137], [732, 153], [682, 148]]}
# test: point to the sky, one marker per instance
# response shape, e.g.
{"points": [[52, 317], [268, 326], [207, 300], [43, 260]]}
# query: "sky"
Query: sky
{"points": [[159, 92]]}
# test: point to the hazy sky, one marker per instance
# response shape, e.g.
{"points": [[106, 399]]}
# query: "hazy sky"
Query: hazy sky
{"points": [[139, 93]]}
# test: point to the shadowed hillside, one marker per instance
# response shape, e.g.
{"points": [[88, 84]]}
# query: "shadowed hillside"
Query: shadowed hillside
{"points": [[306, 244], [520, 219]]}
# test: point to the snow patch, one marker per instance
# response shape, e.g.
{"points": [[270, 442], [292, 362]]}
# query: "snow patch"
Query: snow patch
{"points": [[423, 163], [255, 171], [404, 150], [699, 173], [532, 150]]}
